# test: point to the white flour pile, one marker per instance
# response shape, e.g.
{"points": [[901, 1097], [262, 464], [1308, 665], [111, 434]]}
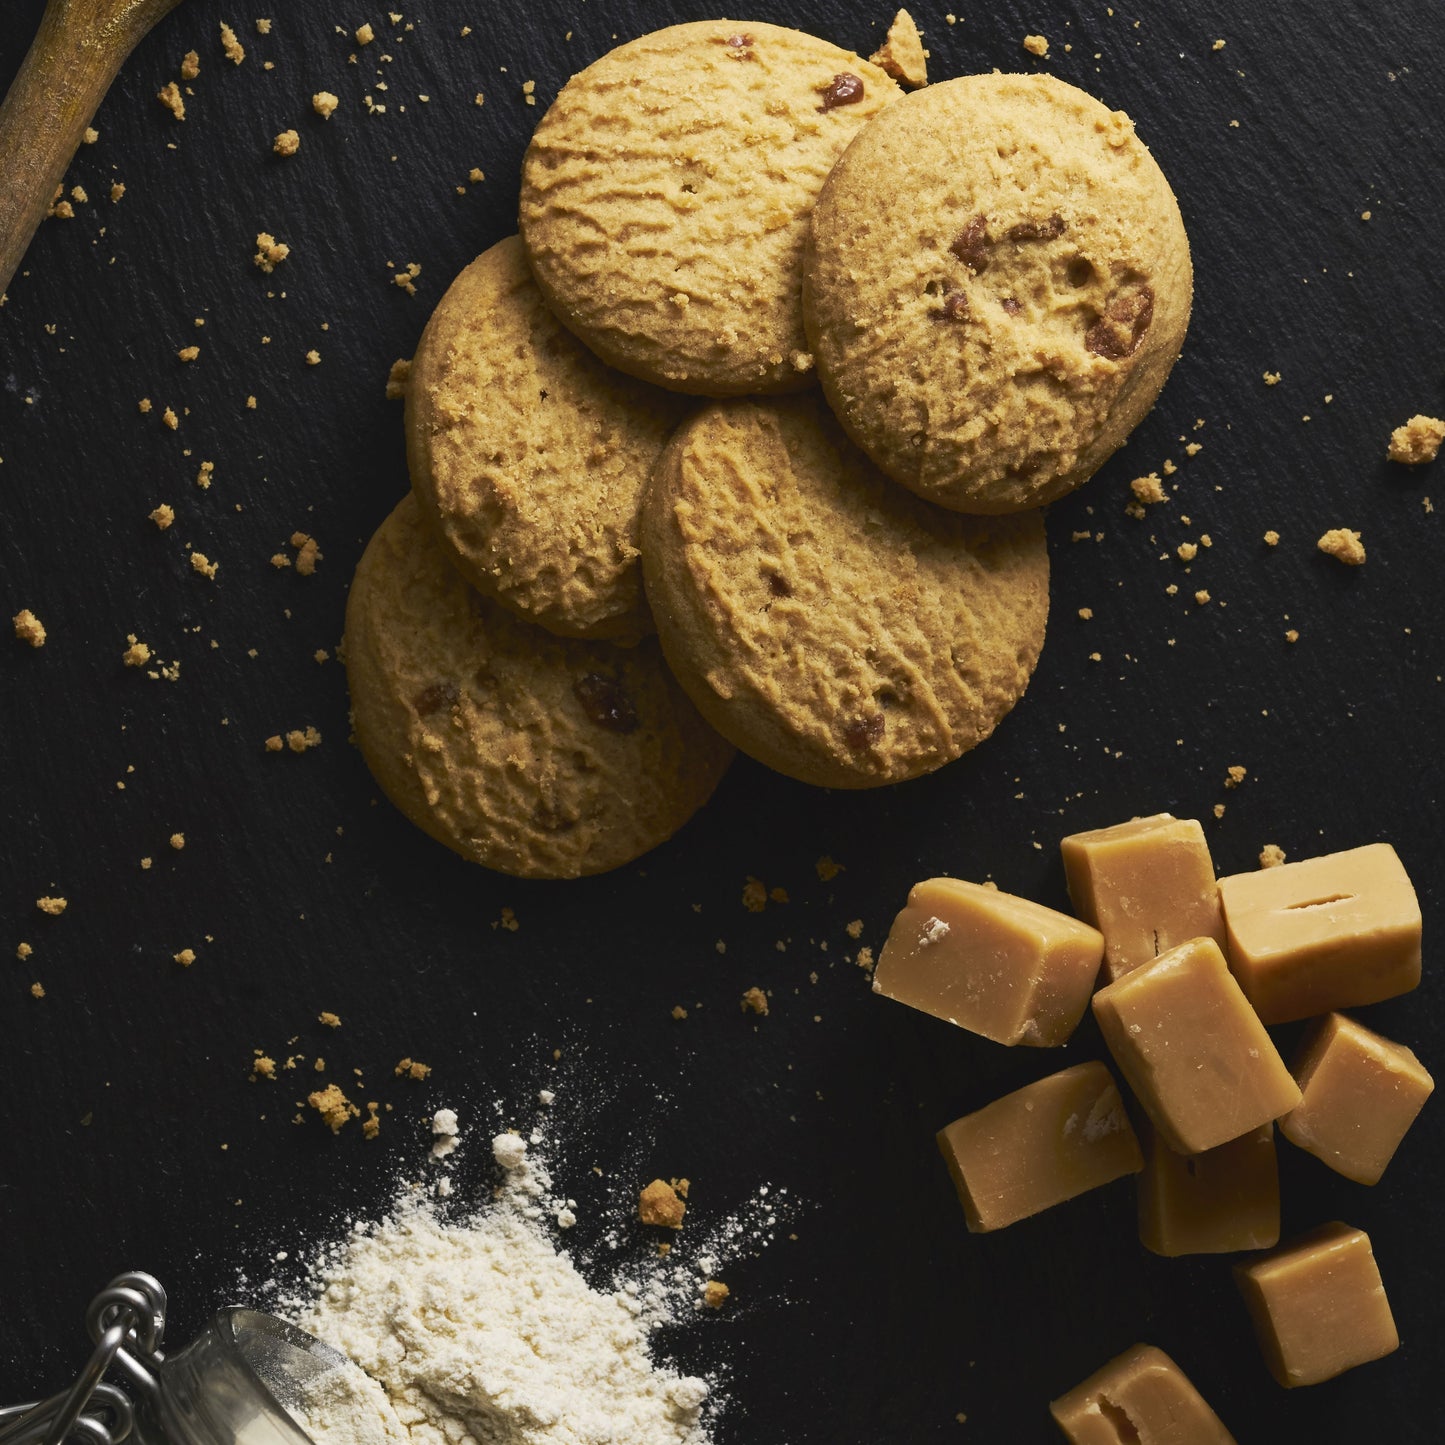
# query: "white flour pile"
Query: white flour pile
{"points": [[481, 1332]]}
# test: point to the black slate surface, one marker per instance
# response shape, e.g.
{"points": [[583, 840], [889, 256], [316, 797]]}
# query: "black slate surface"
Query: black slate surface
{"points": [[132, 1137]]}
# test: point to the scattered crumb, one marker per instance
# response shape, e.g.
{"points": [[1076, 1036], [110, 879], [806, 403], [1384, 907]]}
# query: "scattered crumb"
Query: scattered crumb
{"points": [[1417, 442], [333, 1106], [396, 379], [308, 554], [23, 951], [661, 1204], [855, 928], [1086, 614], [1219, 810], [754, 1000], [529, 91], [1235, 776], [865, 958], [678, 1012], [91, 135], [234, 51], [144, 405], [287, 143], [1201, 597], [136, 654], [476, 175], [189, 353], [406, 278], [1036, 45], [1343, 545], [715, 1292], [202, 565], [170, 96], [412, 1069], [1186, 551], [755, 895], [1149, 490], [1292, 635], [1271, 855], [1218, 45], [274, 744], [270, 252], [1271, 538], [313, 358], [1271, 378], [329, 1019], [53, 906], [186, 957], [169, 417], [827, 869], [902, 54], [178, 841], [299, 740], [323, 103], [263, 27], [117, 190], [365, 34], [37, 990], [29, 628], [203, 477], [190, 65], [371, 1125]]}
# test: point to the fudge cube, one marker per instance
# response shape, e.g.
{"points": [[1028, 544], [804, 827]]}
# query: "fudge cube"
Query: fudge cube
{"points": [[1360, 1094], [1011, 970], [1318, 1306], [1193, 1050], [1146, 886], [1139, 1398], [1039, 1146], [1325, 933], [1223, 1200]]}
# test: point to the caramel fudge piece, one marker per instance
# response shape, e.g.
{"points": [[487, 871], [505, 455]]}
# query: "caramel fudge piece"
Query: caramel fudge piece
{"points": [[1318, 1306], [1360, 1094], [1139, 1398], [1146, 886], [1039, 1146], [1193, 1050], [1223, 1200], [1326, 933], [1000, 966]]}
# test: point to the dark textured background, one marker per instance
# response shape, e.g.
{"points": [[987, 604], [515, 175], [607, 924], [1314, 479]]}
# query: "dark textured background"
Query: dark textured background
{"points": [[883, 1318]]}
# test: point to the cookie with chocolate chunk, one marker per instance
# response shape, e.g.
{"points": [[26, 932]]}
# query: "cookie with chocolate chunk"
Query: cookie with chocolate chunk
{"points": [[997, 285], [529, 455], [829, 623], [665, 198], [537, 755]]}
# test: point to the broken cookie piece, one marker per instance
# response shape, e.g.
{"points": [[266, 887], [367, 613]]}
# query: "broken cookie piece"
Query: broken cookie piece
{"points": [[662, 1204], [902, 54]]}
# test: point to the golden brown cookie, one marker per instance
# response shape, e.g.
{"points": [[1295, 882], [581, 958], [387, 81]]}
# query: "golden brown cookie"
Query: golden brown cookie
{"points": [[665, 198], [529, 456], [827, 622], [997, 285], [540, 756]]}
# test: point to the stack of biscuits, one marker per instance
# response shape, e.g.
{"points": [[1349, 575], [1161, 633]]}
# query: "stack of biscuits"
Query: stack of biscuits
{"points": [[641, 534]]}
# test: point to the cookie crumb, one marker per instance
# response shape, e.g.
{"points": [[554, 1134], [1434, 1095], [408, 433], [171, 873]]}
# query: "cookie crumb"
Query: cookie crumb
{"points": [[865, 958], [333, 1106], [1343, 545], [308, 554], [1271, 538], [188, 353], [1186, 551], [826, 869], [396, 379], [714, 1294], [37, 990], [299, 740], [1036, 45], [1271, 855], [234, 51], [186, 957], [23, 951], [371, 1125], [270, 252], [90, 135], [53, 906], [755, 895], [1235, 776], [324, 103], [1201, 597], [136, 654], [1219, 810], [902, 54], [1271, 378], [1149, 490], [329, 1019], [365, 34], [660, 1203], [170, 96], [1417, 442], [754, 1000], [178, 841], [117, 190], [287, 143], [412, 1069], [29, 628], [202, 565], [313, 358], [263, 27], [144, 405], [171, 420], [274, 743], [678, 1012], [406, 277]]}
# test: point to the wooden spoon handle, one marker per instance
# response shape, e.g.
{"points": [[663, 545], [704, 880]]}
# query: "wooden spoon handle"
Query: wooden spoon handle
{"points": [[79, 48]]}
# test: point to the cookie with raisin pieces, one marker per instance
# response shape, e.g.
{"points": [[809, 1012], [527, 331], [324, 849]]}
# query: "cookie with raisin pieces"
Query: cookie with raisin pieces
{"points": [[529, 455], [665, 198], [536, 755], [997, 285], [831, 624]]}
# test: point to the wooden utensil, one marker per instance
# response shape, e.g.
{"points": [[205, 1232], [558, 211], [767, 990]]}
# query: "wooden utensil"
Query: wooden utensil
{"points": [[80, 46]]}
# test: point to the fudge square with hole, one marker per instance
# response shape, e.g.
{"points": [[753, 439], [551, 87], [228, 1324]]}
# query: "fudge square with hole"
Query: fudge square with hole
{"points": [[1139, 1398], [1193, 1050], [1325, 933], [1004, 967]]}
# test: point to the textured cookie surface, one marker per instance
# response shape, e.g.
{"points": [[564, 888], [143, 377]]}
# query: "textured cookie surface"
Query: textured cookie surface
{"points": [[829, 623], [541, 756], [997, 285], [529, 455], [665, 198]]}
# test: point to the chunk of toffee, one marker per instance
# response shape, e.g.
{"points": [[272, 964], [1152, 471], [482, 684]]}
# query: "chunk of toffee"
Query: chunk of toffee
{"points": [[1318, 1306], [861, 733], [1361, 1093], [1003, 967], [845, 88], [1118, 332], [1040, 1145], [1192, 1049], [1049, 229], [434, 698], [1146, 885], [1218, 1202], [1325, 933], [605, 703], [1139, 1398], [972, 243]]}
